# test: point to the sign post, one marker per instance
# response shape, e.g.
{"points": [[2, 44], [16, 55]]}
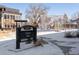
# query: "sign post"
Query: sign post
{"points": [[26, 33]]}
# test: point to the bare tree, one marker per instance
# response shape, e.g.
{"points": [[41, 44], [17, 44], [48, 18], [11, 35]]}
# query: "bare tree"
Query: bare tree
{"points": [[35, 12], [65, 21], [75, 15]]}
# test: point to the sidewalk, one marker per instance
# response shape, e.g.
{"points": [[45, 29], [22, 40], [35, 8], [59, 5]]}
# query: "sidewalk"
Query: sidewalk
{"points": [[8, 48]]}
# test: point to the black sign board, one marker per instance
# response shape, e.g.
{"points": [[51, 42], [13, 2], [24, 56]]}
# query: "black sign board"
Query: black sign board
{"points": [[25, 33]]}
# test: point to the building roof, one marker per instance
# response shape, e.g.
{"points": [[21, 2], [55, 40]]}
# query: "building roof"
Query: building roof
{"points": [[10, 10]]}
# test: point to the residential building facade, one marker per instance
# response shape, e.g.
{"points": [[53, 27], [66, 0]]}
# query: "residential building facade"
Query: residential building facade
{"points": [[8, 17], [57, 21]]}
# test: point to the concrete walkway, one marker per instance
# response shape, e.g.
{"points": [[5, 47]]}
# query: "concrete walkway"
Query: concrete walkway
{"points": [[8, 48]]}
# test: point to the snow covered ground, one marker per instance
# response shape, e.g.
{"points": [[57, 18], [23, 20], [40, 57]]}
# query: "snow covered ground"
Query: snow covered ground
{"points": [[57, 45]]}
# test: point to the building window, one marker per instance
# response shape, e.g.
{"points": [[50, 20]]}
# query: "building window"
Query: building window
{"points": [[14, 17], [11, 16], [0, 9], [6, 16], [0, 17], [5, 25]]}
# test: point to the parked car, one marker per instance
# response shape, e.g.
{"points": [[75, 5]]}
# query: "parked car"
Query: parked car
{"points": [[77, 33], [70, 34]]}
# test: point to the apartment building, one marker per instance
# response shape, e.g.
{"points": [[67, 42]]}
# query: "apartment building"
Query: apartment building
{"points": [[8, 17]]}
